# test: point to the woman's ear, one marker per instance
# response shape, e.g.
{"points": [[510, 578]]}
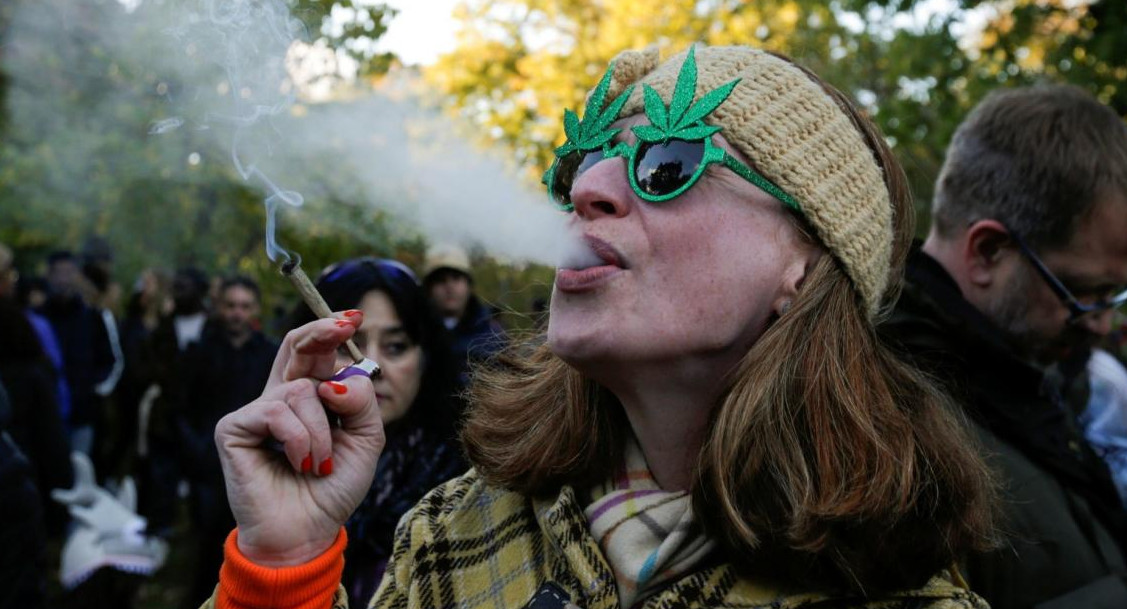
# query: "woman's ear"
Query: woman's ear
{"points": [[793, 279]]}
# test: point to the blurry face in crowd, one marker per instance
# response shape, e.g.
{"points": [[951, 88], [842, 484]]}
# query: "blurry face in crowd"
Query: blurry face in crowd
{"points": [[698, 275], [450, 292], [63, 278], [36, 298], [383, 338], [186, 295], [1093, 266], [8, 276], [238, 308]]}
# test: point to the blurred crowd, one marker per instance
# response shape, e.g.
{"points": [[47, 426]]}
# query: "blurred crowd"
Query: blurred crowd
{"points": [[109, 401]]}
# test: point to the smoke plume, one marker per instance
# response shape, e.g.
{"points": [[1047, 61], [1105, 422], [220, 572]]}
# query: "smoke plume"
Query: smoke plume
{"points": [[193, 89]]}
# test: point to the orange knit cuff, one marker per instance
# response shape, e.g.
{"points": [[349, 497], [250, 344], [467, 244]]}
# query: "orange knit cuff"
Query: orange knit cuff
{"points": [[246, 585]]}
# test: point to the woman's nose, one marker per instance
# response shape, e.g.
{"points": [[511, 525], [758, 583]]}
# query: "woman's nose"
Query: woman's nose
{"points": [[602, 191]]}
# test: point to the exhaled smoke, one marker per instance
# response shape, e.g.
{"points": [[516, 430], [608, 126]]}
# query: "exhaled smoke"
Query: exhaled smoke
{"points": [[216, 79], [247, 41]]}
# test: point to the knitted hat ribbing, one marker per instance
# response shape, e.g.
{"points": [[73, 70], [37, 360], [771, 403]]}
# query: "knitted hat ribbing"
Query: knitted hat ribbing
{"points": [[796, 136]]}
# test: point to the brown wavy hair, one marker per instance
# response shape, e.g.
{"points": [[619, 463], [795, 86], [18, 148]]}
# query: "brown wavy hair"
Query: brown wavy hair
{"points": [[835, 466]]}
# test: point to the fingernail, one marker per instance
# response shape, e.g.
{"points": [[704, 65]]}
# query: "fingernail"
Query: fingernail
{"points": [[338, 388], [326, 467], [307, 464], [352, 313], [344, 323]]}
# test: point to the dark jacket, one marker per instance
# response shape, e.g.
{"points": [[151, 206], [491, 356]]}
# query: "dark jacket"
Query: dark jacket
{"points": [[33, 419], [87, 356], [23, 558], [218, 379], [416, 459], [1066, 534], [37, 429], [475, 338]]}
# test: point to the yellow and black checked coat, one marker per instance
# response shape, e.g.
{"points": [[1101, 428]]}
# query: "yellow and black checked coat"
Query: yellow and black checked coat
{"points": [[468, 545]]}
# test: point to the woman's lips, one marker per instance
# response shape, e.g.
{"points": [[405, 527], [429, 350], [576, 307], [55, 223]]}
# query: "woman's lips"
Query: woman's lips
{"points": [[590, 277], [585, 280], [605, 251]]}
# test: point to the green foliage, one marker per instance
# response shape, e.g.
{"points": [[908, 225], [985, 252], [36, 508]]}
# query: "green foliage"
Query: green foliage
{"points": [[86, 165], [356, 27], [81, 162], [917, 78]]}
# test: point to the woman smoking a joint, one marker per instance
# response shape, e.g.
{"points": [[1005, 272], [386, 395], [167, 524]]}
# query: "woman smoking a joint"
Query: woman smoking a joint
{"points": [[709, 420]]}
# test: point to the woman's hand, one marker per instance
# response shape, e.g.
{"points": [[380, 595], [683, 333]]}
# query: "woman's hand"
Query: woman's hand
{"points": [[290, 507]]}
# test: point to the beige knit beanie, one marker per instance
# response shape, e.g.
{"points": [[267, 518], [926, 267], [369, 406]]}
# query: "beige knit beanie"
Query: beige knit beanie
{"points": [[795, 135]]}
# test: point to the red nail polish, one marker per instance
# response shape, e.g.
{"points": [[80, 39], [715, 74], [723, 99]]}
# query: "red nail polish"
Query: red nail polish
{"points": [[352, 313], [326, 467], [342, 323], [338, 388], [307, 464]]}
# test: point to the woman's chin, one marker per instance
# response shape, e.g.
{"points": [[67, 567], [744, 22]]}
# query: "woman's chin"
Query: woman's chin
{"points": [[575, 345]]}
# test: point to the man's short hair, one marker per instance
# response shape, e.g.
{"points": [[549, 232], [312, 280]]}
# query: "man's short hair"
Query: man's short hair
{"points": [[241, 281], [58, 256], [1035, 159]]}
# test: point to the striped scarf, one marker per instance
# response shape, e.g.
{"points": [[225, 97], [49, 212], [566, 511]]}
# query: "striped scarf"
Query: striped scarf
{"points": [[648, 535]]}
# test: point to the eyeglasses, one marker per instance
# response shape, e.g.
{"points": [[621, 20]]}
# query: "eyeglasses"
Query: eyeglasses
{"points": [[668, 156], [385, 266], [658, 171], [1076, 308]]}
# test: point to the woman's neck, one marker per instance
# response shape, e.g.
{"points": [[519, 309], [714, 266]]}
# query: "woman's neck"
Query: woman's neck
{"points": [[669, 415]]}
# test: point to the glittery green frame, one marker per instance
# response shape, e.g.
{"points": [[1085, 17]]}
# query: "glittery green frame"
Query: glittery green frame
{"points": [[681, 120]]}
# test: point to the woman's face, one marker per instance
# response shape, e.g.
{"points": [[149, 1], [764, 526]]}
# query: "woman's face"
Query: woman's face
{"points": [[382, 337], [698, 275]]}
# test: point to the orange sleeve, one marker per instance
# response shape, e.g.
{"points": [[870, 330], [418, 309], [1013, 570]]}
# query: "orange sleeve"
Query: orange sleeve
{"points": [[245, 585]]}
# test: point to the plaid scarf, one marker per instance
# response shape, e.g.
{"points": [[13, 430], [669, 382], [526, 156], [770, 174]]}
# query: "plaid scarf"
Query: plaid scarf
{"points": [[648, 535]]}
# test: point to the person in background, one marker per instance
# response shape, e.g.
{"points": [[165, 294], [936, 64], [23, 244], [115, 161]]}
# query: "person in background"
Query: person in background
{"points": [[225, 369], [31, 292], [103, 298], [189, 309], [148, 304], [23, 542], [710, 419], [1105, 419], [417, 405], [34, 421], [9, 275], [161, 474], [87, 356], [474, 334], [1019, 276]]}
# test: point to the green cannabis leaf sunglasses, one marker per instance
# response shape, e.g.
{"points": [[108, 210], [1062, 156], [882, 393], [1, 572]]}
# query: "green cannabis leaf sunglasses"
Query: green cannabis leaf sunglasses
{"points": [[668, 156]]}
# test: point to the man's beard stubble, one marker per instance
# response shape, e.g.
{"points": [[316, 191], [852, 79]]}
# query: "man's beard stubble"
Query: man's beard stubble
{"points": [[1011, 315]]}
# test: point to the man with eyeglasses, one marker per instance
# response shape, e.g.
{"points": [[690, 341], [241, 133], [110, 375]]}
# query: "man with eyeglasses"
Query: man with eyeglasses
{"points": [[1024, 265]]}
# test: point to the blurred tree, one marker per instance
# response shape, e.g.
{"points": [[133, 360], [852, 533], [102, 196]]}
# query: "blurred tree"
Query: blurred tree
{"points": [[520, 63], [352, 26], [916, 69], [81, 159]]}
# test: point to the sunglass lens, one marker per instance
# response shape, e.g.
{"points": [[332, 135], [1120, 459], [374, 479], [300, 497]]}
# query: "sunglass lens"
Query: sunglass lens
{"points": [[568, 170], [661, 169]]}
